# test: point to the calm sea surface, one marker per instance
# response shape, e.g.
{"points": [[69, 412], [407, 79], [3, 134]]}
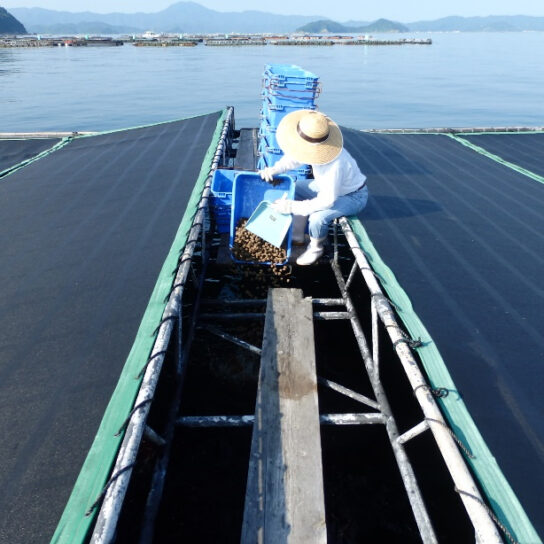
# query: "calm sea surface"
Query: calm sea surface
{"points": [[461, 80]]}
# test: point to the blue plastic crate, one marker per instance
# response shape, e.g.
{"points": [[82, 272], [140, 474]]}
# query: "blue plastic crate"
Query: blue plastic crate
{"points": [[222, 225], [268, 139], [304, 172], [261, 163], [221, 187], [221, 198], [299, 173], [303, 101], [265, 149], [267, 128], [272, 114], [269, 158], [293, 102], [272, 117], [222, 213], [269, 105], [249, 190], [297, 96], [221, 216], [268, 132], [290, 75], [222, 221]]}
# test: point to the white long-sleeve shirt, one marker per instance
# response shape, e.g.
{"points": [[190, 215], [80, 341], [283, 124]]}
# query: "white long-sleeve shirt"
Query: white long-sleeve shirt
{"points": [[339, 177]]}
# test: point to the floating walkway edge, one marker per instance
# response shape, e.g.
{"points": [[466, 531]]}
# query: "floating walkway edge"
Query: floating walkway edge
{"points": [[495, 487]]}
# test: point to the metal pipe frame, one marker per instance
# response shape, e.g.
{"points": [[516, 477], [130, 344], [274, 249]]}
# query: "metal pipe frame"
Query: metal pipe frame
{"points": [[161, 464], [249, 420], [37, 135], [108, 516], [415, 497], [485, 529], [331, 316], [446, 130], [348, 393], [232, 339]]}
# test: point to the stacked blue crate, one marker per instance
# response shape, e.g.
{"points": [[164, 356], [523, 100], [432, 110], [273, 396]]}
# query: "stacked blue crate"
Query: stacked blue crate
{"points": [[286, 88], [221, 198]]}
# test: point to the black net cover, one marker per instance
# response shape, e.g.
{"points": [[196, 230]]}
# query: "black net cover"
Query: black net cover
{"points": [[525, 150], [13, 152], [464, 235], [84, 234]]}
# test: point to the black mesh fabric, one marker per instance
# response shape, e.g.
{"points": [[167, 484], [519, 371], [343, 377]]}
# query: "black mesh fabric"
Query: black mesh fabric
{"points": [[84, 234], [13, 152], [464, 236], [525, 150]]}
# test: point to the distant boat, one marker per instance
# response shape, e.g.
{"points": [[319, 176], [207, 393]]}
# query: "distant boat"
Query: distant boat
{"points": [[150, 35]]}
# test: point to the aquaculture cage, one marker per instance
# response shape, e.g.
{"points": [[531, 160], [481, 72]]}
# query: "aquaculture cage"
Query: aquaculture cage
{"points": [[178, 454]]}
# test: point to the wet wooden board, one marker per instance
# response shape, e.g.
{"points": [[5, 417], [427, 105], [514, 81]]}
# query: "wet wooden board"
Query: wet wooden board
{"points": [[246, 154], [284, 496]]}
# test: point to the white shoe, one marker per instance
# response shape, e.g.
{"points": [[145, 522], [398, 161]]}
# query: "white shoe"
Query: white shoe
{"points": [[313, 252]]}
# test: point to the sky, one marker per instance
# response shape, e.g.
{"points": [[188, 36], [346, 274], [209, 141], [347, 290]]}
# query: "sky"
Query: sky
{"points": [[339, 10]]}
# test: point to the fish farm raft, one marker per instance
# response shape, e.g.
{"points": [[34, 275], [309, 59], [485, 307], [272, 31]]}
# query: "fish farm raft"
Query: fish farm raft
{"points": [[156, 388]]}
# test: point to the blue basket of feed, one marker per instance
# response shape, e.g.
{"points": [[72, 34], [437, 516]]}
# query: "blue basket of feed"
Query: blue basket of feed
{"points": [[249, 190]]}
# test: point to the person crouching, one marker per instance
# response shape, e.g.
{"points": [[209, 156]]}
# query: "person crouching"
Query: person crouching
{"points": [[338, 188]]}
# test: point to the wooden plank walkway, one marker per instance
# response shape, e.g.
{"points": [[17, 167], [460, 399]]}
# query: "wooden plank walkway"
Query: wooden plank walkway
{"points": [[284, 497], [246, 156]]}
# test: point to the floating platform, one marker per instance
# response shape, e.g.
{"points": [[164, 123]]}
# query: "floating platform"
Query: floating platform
{"points": [[164, 43], [169, 41], [82, 249], [325, 41], [118, 405]]}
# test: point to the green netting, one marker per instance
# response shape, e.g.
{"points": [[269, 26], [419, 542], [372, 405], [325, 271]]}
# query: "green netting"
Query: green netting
{"points": [[496, 488], [74, 525]]}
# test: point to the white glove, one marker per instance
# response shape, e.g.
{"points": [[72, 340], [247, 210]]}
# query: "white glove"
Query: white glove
{"points": [[282, 205], [267, 173]]}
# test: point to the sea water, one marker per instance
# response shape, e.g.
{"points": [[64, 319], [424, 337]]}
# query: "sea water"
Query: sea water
{"points": [[461, 80]]}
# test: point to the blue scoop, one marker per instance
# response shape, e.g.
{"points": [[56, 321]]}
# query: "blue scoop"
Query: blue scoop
{"points": [[269, 224]]}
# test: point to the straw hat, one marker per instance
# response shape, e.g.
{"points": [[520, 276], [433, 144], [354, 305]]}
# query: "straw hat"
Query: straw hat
{"points": [[309, 137]]}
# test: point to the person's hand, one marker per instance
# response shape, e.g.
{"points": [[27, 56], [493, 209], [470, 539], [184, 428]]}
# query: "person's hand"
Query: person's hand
{"points": [[267, 174], [283, 205]]}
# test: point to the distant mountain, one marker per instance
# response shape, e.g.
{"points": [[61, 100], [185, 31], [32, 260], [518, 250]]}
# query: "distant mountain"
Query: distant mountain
{"points": [[186, 17], [323, 27], [327, 26], [384, 25], [493, 23], [9, 24], [191, 17], [88, 27]]}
